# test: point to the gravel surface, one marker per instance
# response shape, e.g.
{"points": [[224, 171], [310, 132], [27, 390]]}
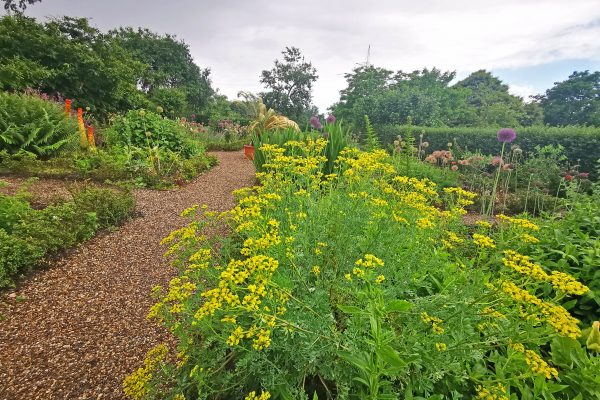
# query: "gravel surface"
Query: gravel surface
{"points": [[75, 330], [42, 191]]}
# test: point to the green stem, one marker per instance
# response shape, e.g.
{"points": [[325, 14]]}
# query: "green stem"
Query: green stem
{"points": [[493, 199]]}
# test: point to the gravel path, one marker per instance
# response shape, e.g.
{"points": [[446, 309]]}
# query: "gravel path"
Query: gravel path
{"points": [[75, 330]]}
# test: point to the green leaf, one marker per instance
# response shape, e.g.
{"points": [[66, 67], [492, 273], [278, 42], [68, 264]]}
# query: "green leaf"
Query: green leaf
{"points": [[398, 306], [359, 362], [351, 309], [391, 356]]}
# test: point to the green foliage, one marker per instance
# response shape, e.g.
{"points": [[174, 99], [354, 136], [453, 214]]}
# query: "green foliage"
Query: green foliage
{"points": [[442, 177], [110, 206], [70, 57], [575, 101], [580, 144], [371, 141], [427, 98], [572, 244], [145, 129], [290, 84], [31, 124], [279, 138], [338, 138], [28, 235], [73, 59], [171, 79], [366, 285]]}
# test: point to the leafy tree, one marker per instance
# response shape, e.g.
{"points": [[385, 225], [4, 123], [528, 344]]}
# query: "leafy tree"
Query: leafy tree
{"points": [[575, 101], [18, 6], [290, 85], [68, 57], [170, 70], [364, 82], [494, 105]]}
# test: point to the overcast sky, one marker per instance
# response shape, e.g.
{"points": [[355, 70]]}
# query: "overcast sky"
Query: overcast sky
{"points": [[528, 43]]}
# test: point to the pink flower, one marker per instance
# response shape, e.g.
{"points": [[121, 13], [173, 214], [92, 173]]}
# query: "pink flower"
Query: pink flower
{"points": [[496, 161], [506, 135]]}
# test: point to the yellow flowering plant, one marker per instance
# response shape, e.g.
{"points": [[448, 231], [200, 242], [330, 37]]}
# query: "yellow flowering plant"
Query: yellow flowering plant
{"points": [[359, 284]]}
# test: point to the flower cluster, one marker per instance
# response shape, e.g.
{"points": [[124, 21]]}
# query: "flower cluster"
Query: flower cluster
{"points": [[495, 392], [435, 322], [521, 222], [136, 385], [483, 241], [556, 316], [537, 364]]}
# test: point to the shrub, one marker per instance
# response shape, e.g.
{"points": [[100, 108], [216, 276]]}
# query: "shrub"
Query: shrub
{"points": [[32, 234], [360, 285], [29, 123], [571, 244], [145, 129], [111, 206], [581, 144]]}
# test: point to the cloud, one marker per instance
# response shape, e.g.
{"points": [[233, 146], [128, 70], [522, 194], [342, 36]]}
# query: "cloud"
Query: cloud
{"points": [[238, 39]]}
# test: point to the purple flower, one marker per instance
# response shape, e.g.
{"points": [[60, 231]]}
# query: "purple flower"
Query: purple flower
{"points": [[330, 119], [315, 123], [506, 135]]}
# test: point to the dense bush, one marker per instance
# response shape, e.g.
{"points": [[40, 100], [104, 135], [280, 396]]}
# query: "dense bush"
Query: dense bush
{"points": [[581, 145], [145, 129], [571, 244], [30, 234], [364, 284], [29, 123]]}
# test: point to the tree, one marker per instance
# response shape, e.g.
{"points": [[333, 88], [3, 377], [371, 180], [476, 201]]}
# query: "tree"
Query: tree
{"points": [[575, 101], [364, 82], [18, 6], [494, 105], [68, 57], [170, 69], [290, 85]]}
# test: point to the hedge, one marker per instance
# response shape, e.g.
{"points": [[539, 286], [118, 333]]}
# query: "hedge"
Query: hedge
{"points": [[582, 144]]}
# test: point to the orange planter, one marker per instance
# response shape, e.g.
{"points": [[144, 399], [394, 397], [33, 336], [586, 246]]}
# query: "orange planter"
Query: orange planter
{"points": [[249, 151]]}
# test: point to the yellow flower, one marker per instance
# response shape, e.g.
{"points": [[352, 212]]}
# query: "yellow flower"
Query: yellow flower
{"points": [[483, 224], [520, 222], [483, 241], [496, 392], [536, 363], [379, 279], [235, 337], [527, 238], [316, 270], [348, 277], [358, 272], [440, 347], [263, 396]]}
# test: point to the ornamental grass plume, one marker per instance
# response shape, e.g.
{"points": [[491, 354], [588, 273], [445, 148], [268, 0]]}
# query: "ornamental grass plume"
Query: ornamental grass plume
{"points": [[315, 123]]}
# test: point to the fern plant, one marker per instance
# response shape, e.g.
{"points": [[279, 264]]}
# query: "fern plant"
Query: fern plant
{"points": [[371, 140], [31, 124]]}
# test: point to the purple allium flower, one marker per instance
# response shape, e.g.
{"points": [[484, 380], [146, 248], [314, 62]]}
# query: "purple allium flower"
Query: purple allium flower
{"points": [[330, 119], [315, 123], [506, 135]]}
